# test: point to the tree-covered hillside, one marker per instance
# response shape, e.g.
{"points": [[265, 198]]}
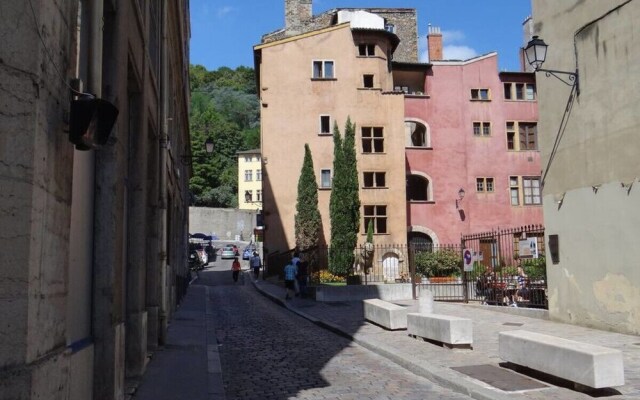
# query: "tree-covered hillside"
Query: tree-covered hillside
{"points": [[225, 108]]}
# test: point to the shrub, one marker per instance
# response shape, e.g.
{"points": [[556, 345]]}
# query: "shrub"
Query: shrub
{"points": [[535, 268], [447, 262], [324, 276]]}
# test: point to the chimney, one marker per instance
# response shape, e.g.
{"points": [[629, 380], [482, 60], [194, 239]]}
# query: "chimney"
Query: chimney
{"points": [[296, 12], [434, 43]]}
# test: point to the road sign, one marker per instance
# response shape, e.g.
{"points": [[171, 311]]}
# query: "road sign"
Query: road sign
{"points": [[467, 256]]}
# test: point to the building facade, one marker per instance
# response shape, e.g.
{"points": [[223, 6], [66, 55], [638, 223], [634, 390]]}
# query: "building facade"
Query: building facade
{"points": [[312, 81], [590, 145], [249, 180], [472, 153], [94, 241], [426, 134]]}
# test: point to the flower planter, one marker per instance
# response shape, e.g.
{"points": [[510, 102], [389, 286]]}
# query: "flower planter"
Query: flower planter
{"points": [[443, 279]]}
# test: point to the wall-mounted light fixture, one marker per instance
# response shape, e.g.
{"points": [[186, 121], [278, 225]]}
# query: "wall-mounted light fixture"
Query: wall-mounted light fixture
{"points": [[536, 53], [91, 121], [187, 159], [461, 194]]}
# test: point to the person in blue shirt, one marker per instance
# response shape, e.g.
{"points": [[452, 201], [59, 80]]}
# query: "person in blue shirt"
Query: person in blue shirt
{"points": [[290, 273], [254, 262]]}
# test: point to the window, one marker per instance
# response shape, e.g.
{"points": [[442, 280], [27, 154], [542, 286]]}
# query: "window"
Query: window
{"points": [[519, 91], [325, 125], [325, 178], [482, 128], [378, 215], [248, 195], [367, 81], [530, 190], [258, 195], [531, 187], [527, 136], [390, 28], [323, 70], [374, 179], [416, 133], [248, 175], [258, 175], [367, 50], [480, 94], [372, 140], [417, 188], [484, 185], [248, 158], [514, 190], [511, 136]]}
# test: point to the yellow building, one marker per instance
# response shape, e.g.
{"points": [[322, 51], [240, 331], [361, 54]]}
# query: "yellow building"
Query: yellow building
{"points": [[327, 69], [249, 180]]}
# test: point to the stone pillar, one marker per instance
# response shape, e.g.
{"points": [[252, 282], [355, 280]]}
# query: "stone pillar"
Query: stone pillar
{"points": [[296, 12]]}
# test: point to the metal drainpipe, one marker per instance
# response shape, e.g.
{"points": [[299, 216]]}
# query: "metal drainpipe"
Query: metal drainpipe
{"points": [[164, 140]]}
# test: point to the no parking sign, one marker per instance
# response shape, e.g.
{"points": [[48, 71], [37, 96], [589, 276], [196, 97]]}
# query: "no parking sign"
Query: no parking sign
{"points": [[467, 256]]}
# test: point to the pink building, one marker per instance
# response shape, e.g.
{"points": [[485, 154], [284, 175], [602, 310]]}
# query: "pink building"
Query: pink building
{"points": [[472, 154]]}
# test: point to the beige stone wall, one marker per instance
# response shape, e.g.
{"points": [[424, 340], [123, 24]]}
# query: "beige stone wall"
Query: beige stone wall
{"points": [[588, 198], [291, 107]]}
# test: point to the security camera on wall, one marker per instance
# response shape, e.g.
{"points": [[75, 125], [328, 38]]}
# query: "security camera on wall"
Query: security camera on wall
{"points": [[91, 122]]}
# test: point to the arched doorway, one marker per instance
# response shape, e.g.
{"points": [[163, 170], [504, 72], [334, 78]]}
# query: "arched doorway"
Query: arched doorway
{"points": [[390, 267]]}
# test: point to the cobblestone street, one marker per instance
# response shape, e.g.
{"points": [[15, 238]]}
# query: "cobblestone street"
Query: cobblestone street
{"points": [[270, 353]]}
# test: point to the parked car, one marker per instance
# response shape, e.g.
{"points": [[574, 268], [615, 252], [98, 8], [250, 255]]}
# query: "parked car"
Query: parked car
{"points": [[228, 251], [248, 252]]}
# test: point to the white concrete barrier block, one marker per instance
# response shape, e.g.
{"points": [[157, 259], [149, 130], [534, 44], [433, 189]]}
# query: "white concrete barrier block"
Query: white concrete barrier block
{"points": [[441, 328], [388, 315], [583, 363]]}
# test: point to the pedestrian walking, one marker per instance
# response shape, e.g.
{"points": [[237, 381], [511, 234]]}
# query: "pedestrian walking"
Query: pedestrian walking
{"points": [[255, 264], [235, 267], [290, 272]]}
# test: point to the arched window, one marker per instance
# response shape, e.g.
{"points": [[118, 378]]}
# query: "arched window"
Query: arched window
{"points": [[417, 134], [418, 188], [420, 241]]}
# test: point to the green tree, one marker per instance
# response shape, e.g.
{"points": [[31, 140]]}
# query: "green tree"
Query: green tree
{"points": [[224, 107], [307, 218], [344, 204]]}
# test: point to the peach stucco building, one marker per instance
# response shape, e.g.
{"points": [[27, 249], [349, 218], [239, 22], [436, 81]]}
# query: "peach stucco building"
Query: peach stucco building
{"points": [[424, 131], [307, 83]]}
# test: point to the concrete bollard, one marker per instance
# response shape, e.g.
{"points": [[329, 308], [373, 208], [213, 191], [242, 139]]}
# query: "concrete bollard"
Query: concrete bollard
{"points": [[425, 302]]}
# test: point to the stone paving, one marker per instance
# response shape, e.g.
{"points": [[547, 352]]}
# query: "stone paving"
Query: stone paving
{"points": [[266, 352], [435, 363]]}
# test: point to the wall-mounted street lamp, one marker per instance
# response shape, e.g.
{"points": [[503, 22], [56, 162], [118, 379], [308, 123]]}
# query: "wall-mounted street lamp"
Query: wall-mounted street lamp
{"points": [[536, 53], [461, 194], [187, 159]]}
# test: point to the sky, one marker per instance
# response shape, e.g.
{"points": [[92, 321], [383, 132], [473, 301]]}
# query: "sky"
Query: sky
{"points": [[223, 32]]}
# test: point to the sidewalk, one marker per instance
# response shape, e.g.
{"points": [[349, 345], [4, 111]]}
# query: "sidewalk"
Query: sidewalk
{"points": [[436, 363], [188, 367]]}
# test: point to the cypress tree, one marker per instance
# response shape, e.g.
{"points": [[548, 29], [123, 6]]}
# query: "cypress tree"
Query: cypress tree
{"points": [[344, 202], [307, 218]]}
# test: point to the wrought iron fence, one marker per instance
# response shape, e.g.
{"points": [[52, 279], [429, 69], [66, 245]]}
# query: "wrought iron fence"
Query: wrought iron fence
{"points": [[509, 267]]}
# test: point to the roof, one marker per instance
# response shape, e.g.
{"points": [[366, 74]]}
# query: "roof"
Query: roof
{"points": [[407, 66], [464, 62], [254, 151]]}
